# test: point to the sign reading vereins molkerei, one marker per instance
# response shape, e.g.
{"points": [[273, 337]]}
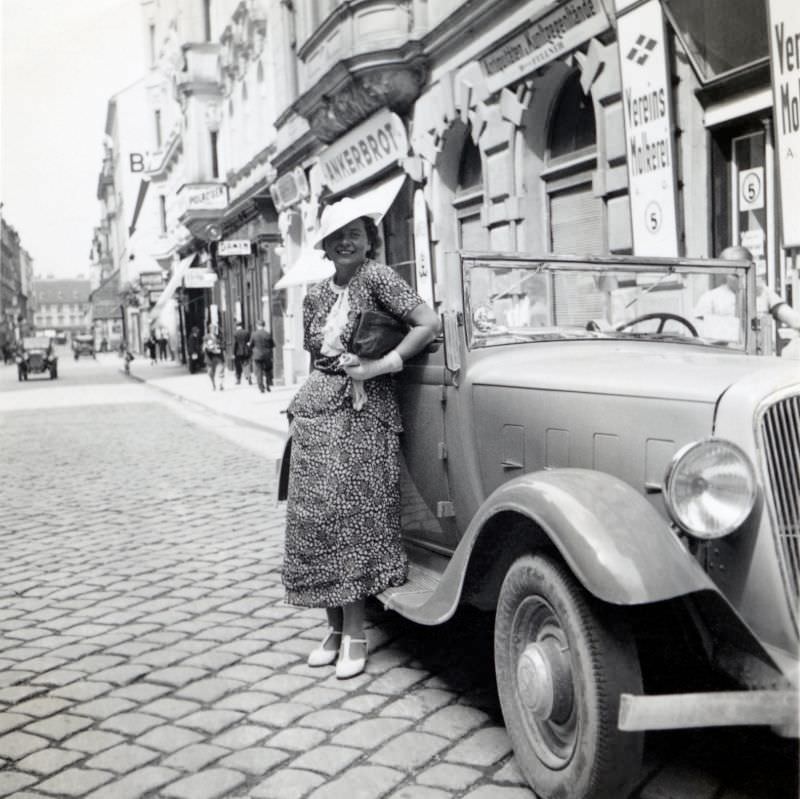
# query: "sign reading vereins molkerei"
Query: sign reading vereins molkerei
{"points": [[784, 47], [648, 128]]}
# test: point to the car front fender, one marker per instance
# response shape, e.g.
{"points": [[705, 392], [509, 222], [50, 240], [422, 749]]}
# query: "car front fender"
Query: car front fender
{"points": [[612, 538]]}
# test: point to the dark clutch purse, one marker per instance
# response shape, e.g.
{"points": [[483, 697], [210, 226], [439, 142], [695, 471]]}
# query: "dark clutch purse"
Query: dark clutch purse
{"points": [[376, 334]]}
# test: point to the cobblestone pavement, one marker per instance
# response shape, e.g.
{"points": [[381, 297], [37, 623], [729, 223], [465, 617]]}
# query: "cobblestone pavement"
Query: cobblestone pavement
{"points": [[146, 651]]}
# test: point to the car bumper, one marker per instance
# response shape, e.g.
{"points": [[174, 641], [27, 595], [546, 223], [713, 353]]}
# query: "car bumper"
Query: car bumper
{"points": [[777, 709]]}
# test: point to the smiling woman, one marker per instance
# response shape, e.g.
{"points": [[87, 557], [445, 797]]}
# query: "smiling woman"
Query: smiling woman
{"points": [[343, 516]]}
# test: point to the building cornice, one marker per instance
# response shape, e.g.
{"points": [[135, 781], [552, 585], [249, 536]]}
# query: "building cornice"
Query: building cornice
{"points": [[354, 88]]}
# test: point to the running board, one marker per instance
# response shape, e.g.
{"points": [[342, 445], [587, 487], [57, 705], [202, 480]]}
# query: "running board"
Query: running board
{"points": [[425, 571]]}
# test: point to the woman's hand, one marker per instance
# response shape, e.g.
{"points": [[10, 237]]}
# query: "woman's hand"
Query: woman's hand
{"points": [[365, 369]]}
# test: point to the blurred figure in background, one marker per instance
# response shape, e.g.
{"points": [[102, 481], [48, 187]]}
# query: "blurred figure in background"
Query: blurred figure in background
{"points": [[262, 345], [214, 350], [241, 353]]}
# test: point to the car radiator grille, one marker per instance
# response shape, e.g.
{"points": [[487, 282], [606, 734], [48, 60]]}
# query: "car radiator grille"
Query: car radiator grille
{"points": [[780, 431], [36, 362]]}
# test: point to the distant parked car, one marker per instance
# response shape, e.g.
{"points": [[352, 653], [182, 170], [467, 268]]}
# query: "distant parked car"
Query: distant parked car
{"points": [[36, 355], [83, 345]]}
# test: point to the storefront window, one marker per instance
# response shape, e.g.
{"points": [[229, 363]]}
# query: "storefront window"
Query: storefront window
{"points": [[720, 35]]}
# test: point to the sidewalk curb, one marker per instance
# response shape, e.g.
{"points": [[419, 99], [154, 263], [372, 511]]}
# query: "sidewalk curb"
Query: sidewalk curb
{"points": [[283, 434]]}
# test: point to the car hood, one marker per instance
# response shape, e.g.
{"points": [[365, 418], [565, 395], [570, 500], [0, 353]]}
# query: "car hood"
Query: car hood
{"points": [[639, 369]]}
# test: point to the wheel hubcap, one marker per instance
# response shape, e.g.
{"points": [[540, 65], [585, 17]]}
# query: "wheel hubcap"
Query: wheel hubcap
{"points": [[544, 680], [544, 689]]}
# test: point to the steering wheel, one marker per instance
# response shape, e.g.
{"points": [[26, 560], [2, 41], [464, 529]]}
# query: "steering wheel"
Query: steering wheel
{"points": [[664, 317]]}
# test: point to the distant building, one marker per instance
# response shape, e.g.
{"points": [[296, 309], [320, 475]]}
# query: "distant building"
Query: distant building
{"points": [[16, 273], [107, 313], [63, 305]]}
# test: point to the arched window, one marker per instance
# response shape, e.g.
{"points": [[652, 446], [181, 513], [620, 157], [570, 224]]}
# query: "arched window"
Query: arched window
{"points": [[576, 216], [472, 235], [572, 128]]}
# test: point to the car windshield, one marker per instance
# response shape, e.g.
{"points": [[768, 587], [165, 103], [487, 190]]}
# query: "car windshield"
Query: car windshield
{"points": [[511, 300], [35, 342]]}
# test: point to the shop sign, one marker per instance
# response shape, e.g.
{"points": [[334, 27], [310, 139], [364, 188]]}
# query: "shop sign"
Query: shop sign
{"points": [[648, 130], [233, 247], [289, 189], [367, 149], [199, 279], [205, 196], [784, 47], [543, 40], [751, 189], [151, 280]]}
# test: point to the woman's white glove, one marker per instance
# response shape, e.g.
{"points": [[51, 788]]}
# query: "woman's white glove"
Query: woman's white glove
{"points": [[365, 369], [359, 370]]}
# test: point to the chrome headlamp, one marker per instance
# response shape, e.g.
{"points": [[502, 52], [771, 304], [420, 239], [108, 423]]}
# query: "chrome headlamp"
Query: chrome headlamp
{"points": [[710, 488]]}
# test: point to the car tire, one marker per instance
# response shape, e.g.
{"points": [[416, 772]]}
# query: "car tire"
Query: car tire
{"points": [[77, 356], [562, 659], [19, 375]]}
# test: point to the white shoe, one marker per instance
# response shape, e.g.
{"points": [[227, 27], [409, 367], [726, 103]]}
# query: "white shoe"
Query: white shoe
{"points": [[346, 666], [322, 656]]}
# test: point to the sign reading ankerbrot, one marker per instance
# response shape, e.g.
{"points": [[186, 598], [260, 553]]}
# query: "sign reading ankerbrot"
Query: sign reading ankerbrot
{"points": [[544, 39], [784, 47], [648, 129], [364, 151]]}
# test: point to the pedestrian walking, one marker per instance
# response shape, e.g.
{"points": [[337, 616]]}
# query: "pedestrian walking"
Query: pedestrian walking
{"points": [[162, 344], [261, 347], [342, 540], [241, 352], [151, 345], [194, 348], [214, 350]]}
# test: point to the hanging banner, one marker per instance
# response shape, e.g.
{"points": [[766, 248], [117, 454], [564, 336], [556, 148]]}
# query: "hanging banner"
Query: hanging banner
{"points": [[422, 249], [784, 49], [648, 129]]}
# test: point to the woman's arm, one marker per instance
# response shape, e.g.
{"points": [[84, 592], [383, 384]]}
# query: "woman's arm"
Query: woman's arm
{"points": [[425, 326]]}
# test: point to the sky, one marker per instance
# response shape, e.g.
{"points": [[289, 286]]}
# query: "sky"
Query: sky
{"points": [[60, 63]]}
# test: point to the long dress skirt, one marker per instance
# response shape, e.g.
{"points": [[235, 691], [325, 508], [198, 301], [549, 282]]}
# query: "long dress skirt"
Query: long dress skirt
{"points": [[343, 515]]}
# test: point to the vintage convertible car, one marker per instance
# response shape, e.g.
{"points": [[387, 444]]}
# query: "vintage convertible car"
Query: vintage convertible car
{"points": [[616, 478], [36, 355]]}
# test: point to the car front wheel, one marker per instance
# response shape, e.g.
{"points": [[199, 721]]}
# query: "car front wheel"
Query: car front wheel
{"points": [[562, 662]]}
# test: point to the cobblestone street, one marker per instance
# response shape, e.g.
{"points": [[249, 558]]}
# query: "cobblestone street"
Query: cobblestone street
{"points": [[146, 650]]}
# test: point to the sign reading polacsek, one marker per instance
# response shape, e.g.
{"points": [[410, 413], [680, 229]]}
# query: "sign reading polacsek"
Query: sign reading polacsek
{"points": [[364, 151], [546, 38], [648, 129], [784, 45]]}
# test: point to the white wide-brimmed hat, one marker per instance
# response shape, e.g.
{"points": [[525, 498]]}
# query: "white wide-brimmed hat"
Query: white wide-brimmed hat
{"points": [[338, 214]]}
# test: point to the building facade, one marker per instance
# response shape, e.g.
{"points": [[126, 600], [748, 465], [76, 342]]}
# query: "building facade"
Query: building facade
{"points": [[585, 126], [63, 306], [16, 277]]}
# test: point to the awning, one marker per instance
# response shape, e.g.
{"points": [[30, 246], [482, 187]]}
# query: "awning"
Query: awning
{"points": [[311, 265], [172, 284]]}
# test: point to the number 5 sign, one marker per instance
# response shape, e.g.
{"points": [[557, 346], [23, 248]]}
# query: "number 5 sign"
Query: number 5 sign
{"points": [[751, 189]]}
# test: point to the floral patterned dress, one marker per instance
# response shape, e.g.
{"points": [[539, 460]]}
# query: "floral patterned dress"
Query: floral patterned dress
{"points": [[343, 515]]}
